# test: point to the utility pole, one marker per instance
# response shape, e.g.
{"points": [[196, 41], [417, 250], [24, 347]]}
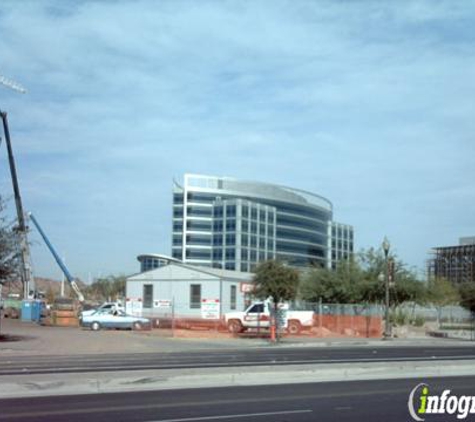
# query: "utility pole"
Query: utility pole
{"points": [[387, 325], [22, 228], [62, 280]]}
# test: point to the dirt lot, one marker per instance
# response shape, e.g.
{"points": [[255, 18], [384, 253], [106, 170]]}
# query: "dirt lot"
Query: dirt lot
{"points": [[17, 337]]}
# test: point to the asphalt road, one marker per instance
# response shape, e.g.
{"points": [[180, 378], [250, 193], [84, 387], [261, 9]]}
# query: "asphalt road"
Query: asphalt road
{"points": [[383, 400], [19, 365]]}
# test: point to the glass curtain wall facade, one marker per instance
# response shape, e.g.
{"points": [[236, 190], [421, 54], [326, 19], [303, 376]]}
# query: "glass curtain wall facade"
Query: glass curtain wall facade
{"points": [[341, 242], [150, 262], [243, 234], [232, 224]]}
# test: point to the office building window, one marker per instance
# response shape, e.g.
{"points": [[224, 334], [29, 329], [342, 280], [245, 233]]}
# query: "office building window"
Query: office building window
{"points": [[231, 211], [217, 254], [230, 253], [230, 225]]}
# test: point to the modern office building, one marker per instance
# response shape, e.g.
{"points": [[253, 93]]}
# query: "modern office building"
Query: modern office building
{"points": [[152, 261], [231, 224], [455, 263]]}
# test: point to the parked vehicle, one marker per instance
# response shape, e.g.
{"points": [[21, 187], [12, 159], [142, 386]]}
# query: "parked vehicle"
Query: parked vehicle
{"points": [[106, 307], [113, 319], [258, 315], [11, 308]]}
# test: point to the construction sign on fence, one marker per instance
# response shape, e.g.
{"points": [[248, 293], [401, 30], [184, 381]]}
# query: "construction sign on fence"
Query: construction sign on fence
{"points": [[210, 309], [133, 306], [162, 303]]}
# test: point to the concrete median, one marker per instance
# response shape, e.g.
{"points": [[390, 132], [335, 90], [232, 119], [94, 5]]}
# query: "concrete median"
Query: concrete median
{"points": [[107, 382]]}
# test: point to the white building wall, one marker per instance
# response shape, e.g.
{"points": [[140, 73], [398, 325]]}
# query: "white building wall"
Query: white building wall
{"points": [[172, 283]]}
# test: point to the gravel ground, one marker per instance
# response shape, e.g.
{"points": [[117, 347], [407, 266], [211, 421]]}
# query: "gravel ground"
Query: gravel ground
{"points": [[27, 338]]}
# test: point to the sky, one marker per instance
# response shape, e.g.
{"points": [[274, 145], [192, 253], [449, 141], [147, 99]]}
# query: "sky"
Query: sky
{"points": [[370, 104]]}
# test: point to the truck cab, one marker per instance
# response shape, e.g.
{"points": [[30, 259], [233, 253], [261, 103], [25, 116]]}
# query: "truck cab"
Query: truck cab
{"points": [[258, 315]]}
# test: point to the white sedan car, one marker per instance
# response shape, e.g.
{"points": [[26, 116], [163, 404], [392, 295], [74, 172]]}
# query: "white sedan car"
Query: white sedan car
{"points": [[114, 319], [106, 306]]}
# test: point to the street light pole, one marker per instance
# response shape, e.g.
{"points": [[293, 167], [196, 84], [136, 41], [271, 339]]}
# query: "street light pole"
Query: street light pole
{"points": [[387, 328]]}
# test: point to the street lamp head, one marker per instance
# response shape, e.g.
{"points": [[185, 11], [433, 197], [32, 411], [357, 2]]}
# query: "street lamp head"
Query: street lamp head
{"points": [[386, 245], [12, 84]]}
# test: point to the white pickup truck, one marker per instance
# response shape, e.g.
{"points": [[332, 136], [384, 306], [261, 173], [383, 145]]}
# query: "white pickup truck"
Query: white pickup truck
{"points": [[258, 315]]}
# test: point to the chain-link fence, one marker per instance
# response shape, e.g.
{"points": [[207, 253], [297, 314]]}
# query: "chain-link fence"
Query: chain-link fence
{"points": [[212, 318], [345, 320], [443, 314]]}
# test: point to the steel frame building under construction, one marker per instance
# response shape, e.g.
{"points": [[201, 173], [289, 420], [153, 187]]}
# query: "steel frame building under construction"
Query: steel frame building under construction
{"points": [[455, 263]]}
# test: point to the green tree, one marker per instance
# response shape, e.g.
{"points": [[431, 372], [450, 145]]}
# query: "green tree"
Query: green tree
{"points": [[467, 296], [405, 287], [440, 293], [360, 279], [274, 279], [107, 288], [9, 258], [333, 286]]}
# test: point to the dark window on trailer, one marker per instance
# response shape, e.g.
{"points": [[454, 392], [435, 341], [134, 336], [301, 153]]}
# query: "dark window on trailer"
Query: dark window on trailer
{"points": [[195, 296], [233, 297], [148, 295]]}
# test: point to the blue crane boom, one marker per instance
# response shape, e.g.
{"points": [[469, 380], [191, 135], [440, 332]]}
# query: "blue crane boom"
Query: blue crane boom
{"points": [[66, 272]]}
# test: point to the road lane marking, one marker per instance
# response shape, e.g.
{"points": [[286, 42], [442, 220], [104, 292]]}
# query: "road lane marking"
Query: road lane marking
{"points": [[93, 408], [244, 415]]}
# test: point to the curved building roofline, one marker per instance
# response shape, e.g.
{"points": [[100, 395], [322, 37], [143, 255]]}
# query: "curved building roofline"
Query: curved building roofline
{"points": [[211, 184], [176, 184], [157, 256]]}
